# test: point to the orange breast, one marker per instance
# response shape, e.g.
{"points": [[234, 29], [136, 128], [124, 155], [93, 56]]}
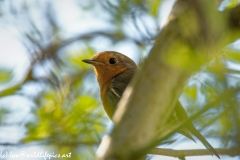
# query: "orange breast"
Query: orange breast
{"points": [[107, 100]]}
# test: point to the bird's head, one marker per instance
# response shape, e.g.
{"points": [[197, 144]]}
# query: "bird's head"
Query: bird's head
{"points": [[109, 64]]}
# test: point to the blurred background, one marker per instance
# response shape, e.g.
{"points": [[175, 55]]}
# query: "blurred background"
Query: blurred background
{"points": [[49, 98]]}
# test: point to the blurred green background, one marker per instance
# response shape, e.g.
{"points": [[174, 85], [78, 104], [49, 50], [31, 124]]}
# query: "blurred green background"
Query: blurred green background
{"points": [[49, 98]]}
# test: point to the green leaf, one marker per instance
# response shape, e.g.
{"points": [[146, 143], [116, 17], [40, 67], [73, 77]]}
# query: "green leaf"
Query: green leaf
{"points": [[191, 92], [5, 75], [234, 55], [153, 6], [232, 3], [75, 58]]}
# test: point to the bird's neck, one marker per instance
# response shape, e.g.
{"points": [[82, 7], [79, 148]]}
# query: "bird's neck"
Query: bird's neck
{"points": [[105, 77]]}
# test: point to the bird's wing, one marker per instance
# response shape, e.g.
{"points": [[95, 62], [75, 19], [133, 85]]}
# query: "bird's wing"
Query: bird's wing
{"points": [[119, 84], [115, 91]]}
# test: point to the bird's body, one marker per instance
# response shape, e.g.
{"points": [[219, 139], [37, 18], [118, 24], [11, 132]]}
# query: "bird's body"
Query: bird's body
{"points": [[112, 94], [114, 71], [112, 78]]}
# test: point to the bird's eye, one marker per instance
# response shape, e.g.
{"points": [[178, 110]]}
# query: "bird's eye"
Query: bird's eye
{"points": [[112, 61]]}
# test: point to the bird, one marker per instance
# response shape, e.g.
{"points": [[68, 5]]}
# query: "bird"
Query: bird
{"points": [[114, 71]]}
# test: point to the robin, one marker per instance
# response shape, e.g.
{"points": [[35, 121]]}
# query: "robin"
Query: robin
{"points": [[114, 71]]}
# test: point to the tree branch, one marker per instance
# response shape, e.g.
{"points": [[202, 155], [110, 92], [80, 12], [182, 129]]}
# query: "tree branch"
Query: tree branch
{"points": [[51, 49], [52, 143], [168, 131], [196, 152]]}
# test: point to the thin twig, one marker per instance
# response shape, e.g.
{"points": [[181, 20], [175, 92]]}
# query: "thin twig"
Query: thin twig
{"points": [[195, 152]]}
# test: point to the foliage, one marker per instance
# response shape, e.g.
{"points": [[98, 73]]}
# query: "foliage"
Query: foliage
{"points": [[5, 75], [68, 123], [204, 88]]}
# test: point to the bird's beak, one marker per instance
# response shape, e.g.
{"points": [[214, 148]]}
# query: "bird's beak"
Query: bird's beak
{"points": [[92, 62]]}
